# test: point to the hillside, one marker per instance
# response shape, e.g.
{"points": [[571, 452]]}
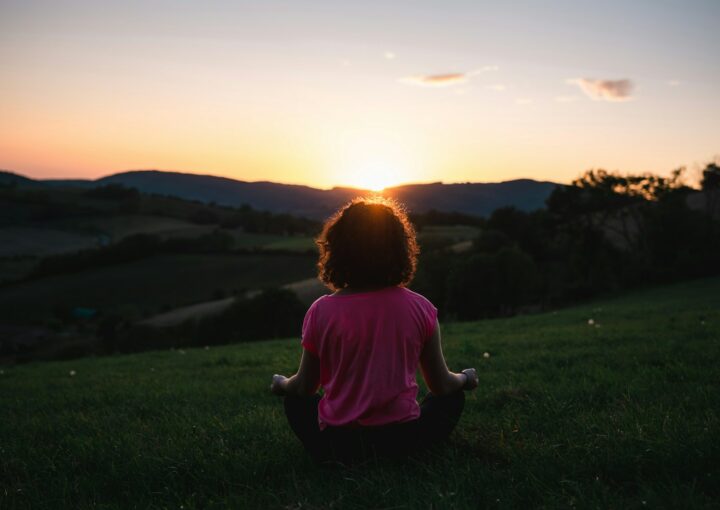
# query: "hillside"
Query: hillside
{"points": [[470, 198], [608, 405]]}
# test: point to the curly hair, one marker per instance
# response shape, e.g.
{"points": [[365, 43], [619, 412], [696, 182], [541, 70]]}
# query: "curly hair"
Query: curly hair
{"points": [[369, 242]]}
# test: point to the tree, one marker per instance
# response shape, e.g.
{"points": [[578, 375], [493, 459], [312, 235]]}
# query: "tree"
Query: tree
{"points": [[711, 186], [488, 285], [711, 177]]}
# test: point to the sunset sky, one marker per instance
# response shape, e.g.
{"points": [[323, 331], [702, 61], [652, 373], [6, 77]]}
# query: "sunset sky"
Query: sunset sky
{"points": [[367, 93]]}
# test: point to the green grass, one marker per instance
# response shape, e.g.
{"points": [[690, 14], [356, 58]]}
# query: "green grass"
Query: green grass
{"points": [[568, 415]]}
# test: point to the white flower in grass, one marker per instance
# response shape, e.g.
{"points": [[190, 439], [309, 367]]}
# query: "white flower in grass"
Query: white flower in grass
{"points": [[181, 351], [72, 373], [207, 347], [486, 355], [2, 372], [591, 322]]}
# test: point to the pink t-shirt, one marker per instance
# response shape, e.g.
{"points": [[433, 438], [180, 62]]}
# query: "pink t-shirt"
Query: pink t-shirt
{"points": [[369, 345]]}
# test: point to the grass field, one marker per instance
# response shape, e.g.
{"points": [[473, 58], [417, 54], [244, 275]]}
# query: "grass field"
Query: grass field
{"points": [[152, 284], [618, 413]]}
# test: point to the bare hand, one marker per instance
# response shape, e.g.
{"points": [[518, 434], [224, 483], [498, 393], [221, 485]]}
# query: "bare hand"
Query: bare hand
{"points": [[472, 379], [278, 384]]}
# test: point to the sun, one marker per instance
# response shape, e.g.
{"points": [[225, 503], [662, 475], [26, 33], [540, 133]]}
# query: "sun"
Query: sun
{"points": [[373, 175]]}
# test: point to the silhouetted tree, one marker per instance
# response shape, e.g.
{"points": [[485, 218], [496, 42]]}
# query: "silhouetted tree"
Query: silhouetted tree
{"points": [[711, 177], [711, 187], [487, 285]]}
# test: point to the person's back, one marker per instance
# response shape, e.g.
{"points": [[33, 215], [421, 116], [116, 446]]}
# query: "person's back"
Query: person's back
{"points": [[363, 344], [369, 346]]}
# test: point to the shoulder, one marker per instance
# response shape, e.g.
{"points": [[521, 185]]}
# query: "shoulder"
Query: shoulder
{"points": [[426, 312], [416, 297], [318, 304], [311, 315]]}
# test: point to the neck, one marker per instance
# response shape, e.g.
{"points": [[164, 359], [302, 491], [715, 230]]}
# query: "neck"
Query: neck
{"points": [[357, 289]]}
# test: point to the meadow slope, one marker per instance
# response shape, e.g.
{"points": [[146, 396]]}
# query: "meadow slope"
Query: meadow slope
{"points": [[612, 404]]}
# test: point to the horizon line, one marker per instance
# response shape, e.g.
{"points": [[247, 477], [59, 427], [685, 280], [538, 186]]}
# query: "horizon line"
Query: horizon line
{"points": [[336, 186]]}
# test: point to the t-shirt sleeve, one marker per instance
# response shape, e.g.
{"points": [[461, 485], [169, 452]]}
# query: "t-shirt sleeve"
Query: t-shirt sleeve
{"points": [[428, 315], [431, 314], [309, 330]]}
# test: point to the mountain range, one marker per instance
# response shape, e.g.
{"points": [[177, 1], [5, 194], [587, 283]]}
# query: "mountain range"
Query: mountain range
{"points": [[478, 199]]}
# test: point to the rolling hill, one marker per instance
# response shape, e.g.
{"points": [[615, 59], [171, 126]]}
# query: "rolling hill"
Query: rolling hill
{"points": [[478, 199]]}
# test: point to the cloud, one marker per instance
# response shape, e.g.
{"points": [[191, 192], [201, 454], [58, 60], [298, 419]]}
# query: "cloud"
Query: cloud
{"points": [[436, 80], [523, 101], [605, 90], [445, 79], [389, 55], [674, 83], [498, 87]]}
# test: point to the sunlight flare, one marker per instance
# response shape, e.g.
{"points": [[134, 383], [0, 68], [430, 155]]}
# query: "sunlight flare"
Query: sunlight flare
{"points": [[373, 175]]}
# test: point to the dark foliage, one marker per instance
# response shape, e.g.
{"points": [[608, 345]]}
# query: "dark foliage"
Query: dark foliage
{"points": [[711, 177], [434, 218], [134, 247], [113, 192], [605, 232], [274, 313]]}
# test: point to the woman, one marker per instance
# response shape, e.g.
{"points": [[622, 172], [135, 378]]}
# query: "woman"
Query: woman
{"points": [[364, 342]]}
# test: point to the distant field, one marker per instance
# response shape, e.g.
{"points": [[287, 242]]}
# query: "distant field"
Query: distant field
{"points": [[41, 242], [614, 404], [73, 234], [307, 290], [458, 237], [122, 225], [273, 242], [296, 243], [151, 285]]}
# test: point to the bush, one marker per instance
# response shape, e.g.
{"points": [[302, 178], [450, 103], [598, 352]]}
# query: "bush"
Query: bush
{"points": [[274, 313], [490, 285]]}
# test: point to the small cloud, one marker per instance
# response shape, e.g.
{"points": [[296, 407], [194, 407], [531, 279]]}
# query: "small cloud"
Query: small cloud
{"points": [[565, 99], [605, 90], [389, 55], [445, 79], [523, 101], [345, 62], [497, 87], [674, 83], [436, 80]]}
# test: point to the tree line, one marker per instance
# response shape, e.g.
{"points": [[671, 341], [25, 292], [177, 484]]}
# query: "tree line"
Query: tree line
{"points": [[603, 233]]}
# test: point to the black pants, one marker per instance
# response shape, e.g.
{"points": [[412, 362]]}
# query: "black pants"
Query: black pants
{"points": [[438, 417]]}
